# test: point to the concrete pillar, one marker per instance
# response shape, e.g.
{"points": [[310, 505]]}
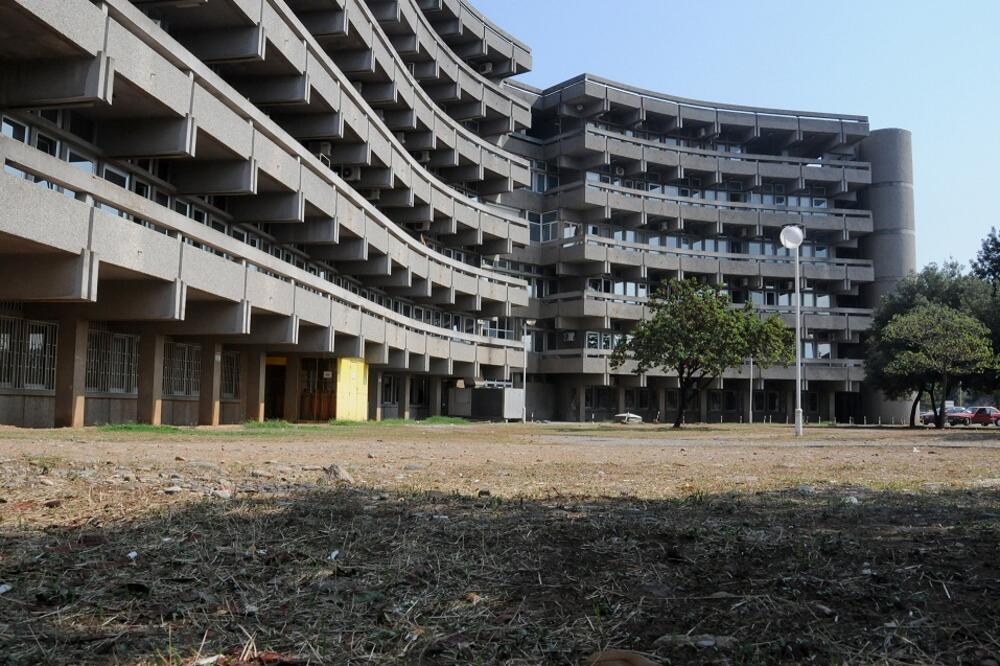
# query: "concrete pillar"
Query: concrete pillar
{"points": [[831, 410], [621, 399], [405, 411], [375, 395], [581, 403], [293, 387], [703, 405], [661, 404], [253, 367], [149, 407], [790, 404], [71, 373], [209, 406], [437, 388]]}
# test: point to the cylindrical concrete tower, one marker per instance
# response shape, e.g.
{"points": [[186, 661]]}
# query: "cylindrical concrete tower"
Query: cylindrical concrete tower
{"points": [[892, 244]]}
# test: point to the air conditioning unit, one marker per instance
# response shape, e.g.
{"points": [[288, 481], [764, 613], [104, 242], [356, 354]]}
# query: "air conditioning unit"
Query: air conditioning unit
{"points": [[324, 148], [485, 68], [373, 195], [423, 156], [619, 171], [351, 174], [569, 336]]}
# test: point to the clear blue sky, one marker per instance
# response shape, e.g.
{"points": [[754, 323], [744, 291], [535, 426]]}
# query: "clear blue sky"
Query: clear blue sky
{"points": [[932, 68]]}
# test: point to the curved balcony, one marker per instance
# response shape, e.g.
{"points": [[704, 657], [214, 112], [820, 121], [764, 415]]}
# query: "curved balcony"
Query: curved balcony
{"points": [[765, 129], [365, 54], [476, 39], [309, 97], [630, 207], [263, 173], [75, 245], [593, 147], [461, 89], [590, 255]]}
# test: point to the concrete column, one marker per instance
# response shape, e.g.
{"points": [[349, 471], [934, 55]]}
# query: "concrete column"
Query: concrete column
{"points": [[661, 402], [71, 373], [254, 366], [581, 402], [703, 405], [293, 387], [437, 386], [375, 395], [149, 407], [831, 410], [621, 399], [405, 412], [209, 406], [790, 404]]}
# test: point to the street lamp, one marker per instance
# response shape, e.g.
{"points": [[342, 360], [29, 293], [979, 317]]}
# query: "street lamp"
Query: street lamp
{"points": [[791, 238], [528, 323]]}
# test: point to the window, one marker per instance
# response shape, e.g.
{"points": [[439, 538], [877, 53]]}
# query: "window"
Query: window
{"points": [[112, 362], [230, 375], [419, 391], [27, 354], [81, 162], [14, 130], [181, 369], [390, 390]]}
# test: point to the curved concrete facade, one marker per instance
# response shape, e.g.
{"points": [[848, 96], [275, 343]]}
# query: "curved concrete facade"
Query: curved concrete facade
{"points": [[211, 209]]}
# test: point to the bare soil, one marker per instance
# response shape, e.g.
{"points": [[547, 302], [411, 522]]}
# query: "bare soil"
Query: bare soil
{"points": [[512, 544]]}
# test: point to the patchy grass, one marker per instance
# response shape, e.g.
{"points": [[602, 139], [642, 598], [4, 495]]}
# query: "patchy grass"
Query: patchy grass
{"points": [[270, 424], [144, 428], [445, 420]]}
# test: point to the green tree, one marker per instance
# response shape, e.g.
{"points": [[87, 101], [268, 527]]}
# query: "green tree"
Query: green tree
{"points": [[695, 333], [986, 265], [937, 346], [944, 285]]}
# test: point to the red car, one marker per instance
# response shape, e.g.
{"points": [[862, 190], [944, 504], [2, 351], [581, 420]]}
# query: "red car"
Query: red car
{"points": [[978, 415]]}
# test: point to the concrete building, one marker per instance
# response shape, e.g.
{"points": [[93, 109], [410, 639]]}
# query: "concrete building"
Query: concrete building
{"points": [[311, 209], [630, 188]]}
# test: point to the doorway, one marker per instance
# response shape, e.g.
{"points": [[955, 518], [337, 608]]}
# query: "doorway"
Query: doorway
{"points": [[274, 388]]}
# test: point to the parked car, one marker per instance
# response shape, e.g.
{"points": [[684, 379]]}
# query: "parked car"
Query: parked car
{"points": [[927, 418], [978, 415]]}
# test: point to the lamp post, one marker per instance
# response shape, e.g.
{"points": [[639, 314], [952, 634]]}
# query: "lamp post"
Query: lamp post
{"points": [[528, 323], [750, 404], [791, 238]]}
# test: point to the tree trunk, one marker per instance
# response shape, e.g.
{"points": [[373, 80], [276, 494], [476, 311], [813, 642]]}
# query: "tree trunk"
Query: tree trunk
{"points": [[682, 399], [939, 414], [913, 408]]}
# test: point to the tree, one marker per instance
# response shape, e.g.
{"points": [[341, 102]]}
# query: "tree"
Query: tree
{"points": [[944, 285], [694, 332], [986, 265], [936, 346]]}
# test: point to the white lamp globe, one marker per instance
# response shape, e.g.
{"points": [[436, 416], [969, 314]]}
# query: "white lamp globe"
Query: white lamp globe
{"points": [[791, 236]]}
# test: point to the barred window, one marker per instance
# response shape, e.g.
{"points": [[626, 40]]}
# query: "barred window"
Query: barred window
{"points": [[112, 362], [231, 374], [27, 354], [181, 369]]}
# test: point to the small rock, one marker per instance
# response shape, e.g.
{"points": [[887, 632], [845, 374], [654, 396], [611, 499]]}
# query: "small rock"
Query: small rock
{"points": [[806, 490], [484, 493], [47, 482], [851, 500], [371, 455], [222, 494], [173, 490], [261, 474], [5, 588], [312, 468], [180, 458], [338, 472], [52, 503]]}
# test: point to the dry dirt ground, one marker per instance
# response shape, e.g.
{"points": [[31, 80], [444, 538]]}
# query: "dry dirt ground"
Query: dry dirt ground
{"points": [[483, 544]]}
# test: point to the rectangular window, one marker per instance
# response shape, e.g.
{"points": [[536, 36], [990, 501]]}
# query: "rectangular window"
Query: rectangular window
{"points": [[112, 362], [27, 354], [230, 375], [181, 369]]}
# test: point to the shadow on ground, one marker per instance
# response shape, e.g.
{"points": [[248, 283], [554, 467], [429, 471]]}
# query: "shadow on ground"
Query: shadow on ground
{"points": [[348, 575]]}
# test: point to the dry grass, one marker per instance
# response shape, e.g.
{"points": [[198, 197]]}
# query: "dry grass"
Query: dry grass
{"points": [[538, 545]]}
